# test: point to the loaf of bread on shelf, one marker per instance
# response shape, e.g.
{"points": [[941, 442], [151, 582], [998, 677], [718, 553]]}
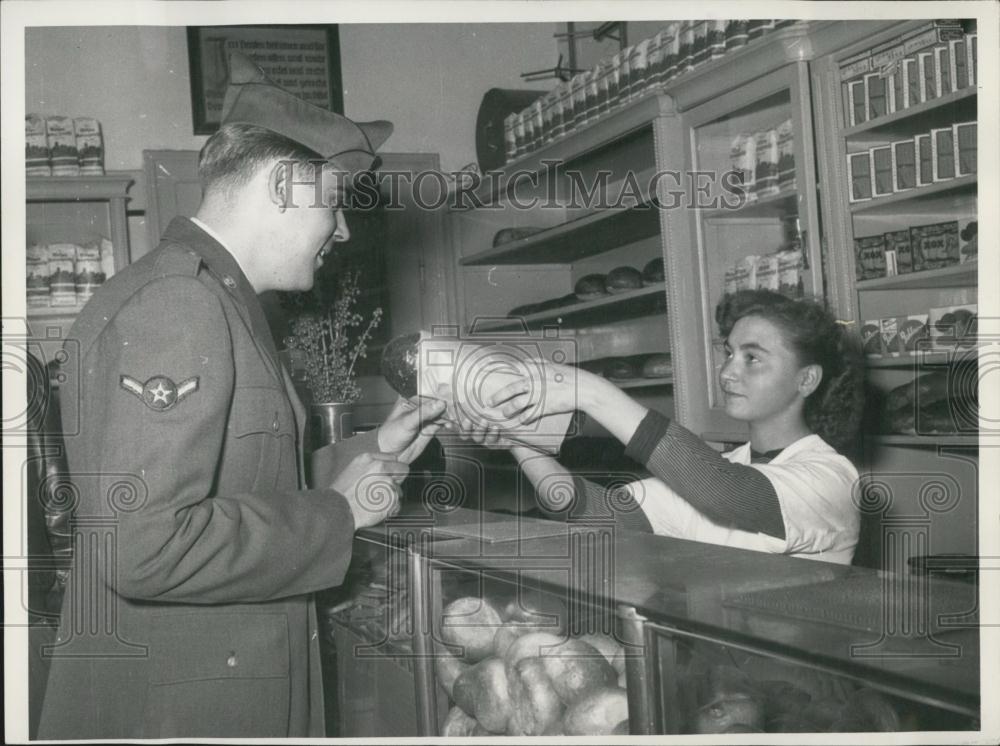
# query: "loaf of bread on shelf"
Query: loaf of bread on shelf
{"points": [[657, 366], [623, 279], [508, 235], [652, 273], [958, 381], [590, 287], [619, 369]]}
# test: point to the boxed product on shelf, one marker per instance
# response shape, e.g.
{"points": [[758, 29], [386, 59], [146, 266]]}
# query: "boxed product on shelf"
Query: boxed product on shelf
{"points": [[876, 95], [911, 82], [786, 155], [729, 281], [36, 148], [743, 158], [942, 64], [509, 141], [934, 246], [896, 90], [62, 274], [767, 272], [89, 271], [898, 246], [37, 275], [791, 264], [699, 48], [959, 64], [953, 326], [90, 145], [971, 57], [943, 153], [904, 165], [889, 330], [766, 174], [928, 76], [61, 139], [857, 105], [746, 273], [912, 330], [859, 176], [716, 38], [969, 248], [869, 257], [882, 171], [871, 338], [966, 153], [925, 160]]}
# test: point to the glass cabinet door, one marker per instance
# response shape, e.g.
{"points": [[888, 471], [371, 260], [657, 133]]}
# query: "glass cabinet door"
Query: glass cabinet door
{"points": [[755, 221]]}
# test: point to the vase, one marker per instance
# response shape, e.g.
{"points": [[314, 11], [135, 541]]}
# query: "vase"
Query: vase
{"points": [[330, 422]]}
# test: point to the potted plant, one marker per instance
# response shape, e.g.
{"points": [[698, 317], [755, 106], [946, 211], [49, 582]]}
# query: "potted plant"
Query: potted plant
{"points": [[327, 341]]}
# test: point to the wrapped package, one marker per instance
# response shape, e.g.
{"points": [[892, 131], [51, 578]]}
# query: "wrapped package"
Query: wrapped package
{"points": [[89, 272], [61, 137], [37, 276], [36, 147], [90, 145], [791, 268], [62, 274]]}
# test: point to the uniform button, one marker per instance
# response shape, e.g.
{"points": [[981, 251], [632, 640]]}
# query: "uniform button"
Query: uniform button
{"points": [[274, 425], [229, 282], [231, 661]]}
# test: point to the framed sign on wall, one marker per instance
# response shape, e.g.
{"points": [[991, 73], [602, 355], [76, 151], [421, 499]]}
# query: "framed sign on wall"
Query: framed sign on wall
{"points": [[303, 59]]}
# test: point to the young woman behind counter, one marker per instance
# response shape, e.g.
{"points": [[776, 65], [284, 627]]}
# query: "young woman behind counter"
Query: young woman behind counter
{"points": [[791, 373]]}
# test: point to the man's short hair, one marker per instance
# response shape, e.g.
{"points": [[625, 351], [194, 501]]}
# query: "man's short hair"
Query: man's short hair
{"points": [[235, 152]]}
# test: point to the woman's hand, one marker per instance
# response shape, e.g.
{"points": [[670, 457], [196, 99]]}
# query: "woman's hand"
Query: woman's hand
{"points": [[560, 389], [488, 436]]}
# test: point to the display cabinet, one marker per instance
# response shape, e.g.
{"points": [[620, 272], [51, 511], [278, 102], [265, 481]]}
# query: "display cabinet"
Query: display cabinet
{"points": [[73, 211]]}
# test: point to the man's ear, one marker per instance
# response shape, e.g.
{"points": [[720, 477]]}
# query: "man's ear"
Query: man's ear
{"points": [[279, 180], [809, 379]]}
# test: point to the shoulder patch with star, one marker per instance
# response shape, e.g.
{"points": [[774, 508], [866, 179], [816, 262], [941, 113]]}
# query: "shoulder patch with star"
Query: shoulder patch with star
{"points": [[159, 393]]}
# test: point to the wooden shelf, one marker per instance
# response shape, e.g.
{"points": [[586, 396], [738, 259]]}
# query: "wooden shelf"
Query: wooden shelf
{"points": [[922, 360], [891, 122], [924, 441], [641, 302], [641, 383], [78, 188], [956, 275], [52, 312], [890, 203], [780, 205], [576, 239]]}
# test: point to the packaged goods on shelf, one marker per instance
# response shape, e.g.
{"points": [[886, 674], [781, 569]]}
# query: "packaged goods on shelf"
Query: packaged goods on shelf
{"points": [[743, 158], [37, 276], [959, 63], [90, 145], [61, 139], [62, 274], [913, 330], [766, 173], [639, 69], [729, 281], [971, 57], [509, 140], [36, 148], [925, 160], [928, 86], [898, 245], [786, 155], [699, 48], [746, 273], [882, 171], [904, 165], [943, 153], [876, 95], [911, 82], [943, 69], [894, 89], [889, 330], [685, 60], [736, 33], [935, 246], [578, 94], [623, 279], [89, 272], [859, 176], [791, 264], [857, 104], [871, 337], [716, 39], [966, 153], [592, 96], [953, 327], [767, 272], [869, 257]]}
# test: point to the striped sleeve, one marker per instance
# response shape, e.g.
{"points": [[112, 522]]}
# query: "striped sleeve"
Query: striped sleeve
{"points": [[593, 503], [733, 495]]}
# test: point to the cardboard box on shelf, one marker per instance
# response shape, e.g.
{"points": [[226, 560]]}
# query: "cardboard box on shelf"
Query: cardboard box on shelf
{"points": [[882, 172], [953, 327], [904, 165], [972, 57], [871, 337], [942, 64], [912, 331], [934, 246], [943, 149], [869, 257], [959, 64], [928, 86], [911, 82], [895, 89], [925, 160], [37, 276], [877, 96], [966, 153], [62, 274], [767, 272], [889, 330], [898, 242], [64, 156], [857, 104], [36, 147], [859, 176]]}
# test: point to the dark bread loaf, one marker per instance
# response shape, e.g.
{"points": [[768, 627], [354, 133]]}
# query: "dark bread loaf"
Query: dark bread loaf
{"points": [[590, 287], [657, 366], [617, 368], [507, 235], [958, 382], [652, 273], [623, 279]]}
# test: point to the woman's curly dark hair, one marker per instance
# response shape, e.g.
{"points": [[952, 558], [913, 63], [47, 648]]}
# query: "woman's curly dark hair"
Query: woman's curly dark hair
{"points": [[834, 410]]}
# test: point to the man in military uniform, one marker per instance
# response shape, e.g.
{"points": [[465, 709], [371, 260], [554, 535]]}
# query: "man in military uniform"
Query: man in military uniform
{"points": [[189, 610]]}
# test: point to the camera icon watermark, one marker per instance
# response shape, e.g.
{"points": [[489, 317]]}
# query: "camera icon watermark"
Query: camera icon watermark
{"points": [[496, 362]]}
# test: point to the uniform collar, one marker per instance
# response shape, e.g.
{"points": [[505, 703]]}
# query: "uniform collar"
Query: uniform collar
{"points": [[223, 265]]}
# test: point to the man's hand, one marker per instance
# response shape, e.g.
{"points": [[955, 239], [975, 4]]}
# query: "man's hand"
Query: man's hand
{"points": [[409, 427], [371, 485]]}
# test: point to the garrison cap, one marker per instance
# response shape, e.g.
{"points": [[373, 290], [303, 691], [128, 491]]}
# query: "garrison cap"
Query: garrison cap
{"points": [[253, 98]]}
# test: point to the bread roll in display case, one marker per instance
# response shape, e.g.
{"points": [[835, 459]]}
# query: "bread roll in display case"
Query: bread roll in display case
{"points": [[531, 627]]}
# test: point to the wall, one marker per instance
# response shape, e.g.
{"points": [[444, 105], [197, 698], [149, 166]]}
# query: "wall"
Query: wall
{"points": [[426, 78]]}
